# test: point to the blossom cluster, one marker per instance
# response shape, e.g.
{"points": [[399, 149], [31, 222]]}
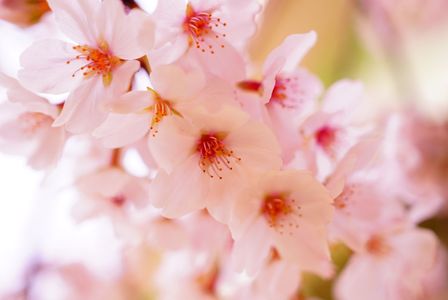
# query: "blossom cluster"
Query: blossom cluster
{"points": [[252, 177]]}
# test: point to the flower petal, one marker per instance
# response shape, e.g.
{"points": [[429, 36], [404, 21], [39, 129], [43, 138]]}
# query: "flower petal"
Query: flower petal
{"points": [[45, 67]]}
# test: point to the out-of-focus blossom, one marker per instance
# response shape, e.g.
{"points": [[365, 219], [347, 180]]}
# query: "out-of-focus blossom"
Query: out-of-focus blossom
{"points": [[277, 280], [328, 133], [395, 18], [420, 147], [389, 264], [23, 12], [26, 126], [114, 193]]}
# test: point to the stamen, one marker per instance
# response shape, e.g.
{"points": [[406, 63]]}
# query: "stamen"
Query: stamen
{"points": [[281, 213], [199, 25], [160, 109], [118, 200], [214, 156], [378, 246], [326, 136], [287, 92], [99, 61]]}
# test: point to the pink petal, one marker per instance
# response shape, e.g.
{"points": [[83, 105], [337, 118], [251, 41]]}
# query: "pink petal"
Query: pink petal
{"points": [[49, 150], [225, 62], [132, 102], [45, 67], [121, 79], [81, 112], [169, 52], [173, 143], [181, 192], [343, 96], [255, 240], [121, 130], [32, 102], [256, 145], [307, 246], [76, 19], [129, 35], [187, 84], [288, 55]]}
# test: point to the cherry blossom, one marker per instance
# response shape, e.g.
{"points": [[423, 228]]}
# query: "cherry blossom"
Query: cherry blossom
{"points": [[286, 92], [182, 155], [138, 113], [97, 66], [389, 264], [208, 160], [288, 211], [26, 126]]}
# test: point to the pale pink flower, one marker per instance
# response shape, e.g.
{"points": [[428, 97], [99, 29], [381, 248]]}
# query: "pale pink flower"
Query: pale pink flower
{"points": [[327, 134], [286, 92], [138, 113], [288, 211], [205, 162], [277, 280], [25, 126], [23, 12], [111, 192], [389, 263], [421, 151], [99, 63], [361, 192], [435, 287], [193, 282], [202, 24], [393, 20], [208, 30]]}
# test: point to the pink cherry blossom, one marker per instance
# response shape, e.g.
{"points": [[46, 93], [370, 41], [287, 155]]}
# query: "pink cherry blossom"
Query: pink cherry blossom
{"points": [[206, 31], [208, 160], [111, 192], [389, 264], [286, 92], [288, 211], [328, 133], [420, 146], [25, 126], [138, 113], [22, 12], [99, 64], [278, 280], [208, 26]]}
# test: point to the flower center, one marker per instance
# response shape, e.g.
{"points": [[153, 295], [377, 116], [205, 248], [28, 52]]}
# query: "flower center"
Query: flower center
{"points": [[275, 207], [98, 61], [199, 25], [325, 136], [281, 213], [214, 156], [118, 200], [376, 245], [286, 92], [160, 109], [343, 200], [31, 122]]}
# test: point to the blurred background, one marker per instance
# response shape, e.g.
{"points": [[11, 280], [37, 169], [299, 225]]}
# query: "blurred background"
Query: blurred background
{"points": [[398, 48]]}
